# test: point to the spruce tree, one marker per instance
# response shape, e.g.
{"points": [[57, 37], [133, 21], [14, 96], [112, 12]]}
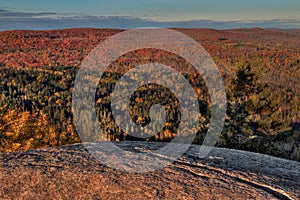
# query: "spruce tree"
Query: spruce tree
{"points": [[253, 109]]}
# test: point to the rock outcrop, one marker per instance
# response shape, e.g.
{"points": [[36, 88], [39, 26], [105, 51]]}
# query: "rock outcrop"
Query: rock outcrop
{"points": [[71, 172]]}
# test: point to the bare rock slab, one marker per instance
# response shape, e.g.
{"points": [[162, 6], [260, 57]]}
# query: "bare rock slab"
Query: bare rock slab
{"points": [[71, 172]]}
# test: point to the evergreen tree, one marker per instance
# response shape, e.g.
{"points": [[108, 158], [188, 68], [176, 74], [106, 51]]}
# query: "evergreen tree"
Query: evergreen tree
{"points": [[253, 109]]}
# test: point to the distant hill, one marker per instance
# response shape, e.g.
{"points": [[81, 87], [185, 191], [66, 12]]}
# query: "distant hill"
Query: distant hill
{"points": [[67, 47]]}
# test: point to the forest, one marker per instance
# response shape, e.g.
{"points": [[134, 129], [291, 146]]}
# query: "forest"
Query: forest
{"points": [[260, 68]]}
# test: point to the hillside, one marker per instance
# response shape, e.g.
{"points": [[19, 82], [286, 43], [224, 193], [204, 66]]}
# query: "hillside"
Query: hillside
{"points": [[38, 70], [277, 50]]}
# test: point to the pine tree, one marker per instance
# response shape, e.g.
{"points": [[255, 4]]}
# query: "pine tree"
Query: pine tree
{"points": [[253, 109]]}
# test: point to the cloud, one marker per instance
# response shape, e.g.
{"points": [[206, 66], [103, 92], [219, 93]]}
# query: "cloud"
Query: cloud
{"points": [[10, 20], [6, 14]]}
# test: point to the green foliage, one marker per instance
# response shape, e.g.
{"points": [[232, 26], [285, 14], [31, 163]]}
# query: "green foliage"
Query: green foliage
{"points": [[253, 109], [254, 115]]}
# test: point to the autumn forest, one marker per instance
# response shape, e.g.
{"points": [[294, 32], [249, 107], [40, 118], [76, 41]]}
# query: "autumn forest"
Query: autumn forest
{"points": [[260, 68]]}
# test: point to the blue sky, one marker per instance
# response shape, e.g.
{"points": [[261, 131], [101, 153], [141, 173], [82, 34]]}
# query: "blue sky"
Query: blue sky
{"points": [[153, 10]]}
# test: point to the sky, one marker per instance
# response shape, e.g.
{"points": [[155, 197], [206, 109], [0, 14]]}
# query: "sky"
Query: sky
{"points": [[37, 14]]}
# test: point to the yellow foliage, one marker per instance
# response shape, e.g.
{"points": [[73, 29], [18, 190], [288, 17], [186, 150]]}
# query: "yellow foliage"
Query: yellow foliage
{"points": [[99, 100], [23, 131], [138, 100], [167, 124], [140, 119]]}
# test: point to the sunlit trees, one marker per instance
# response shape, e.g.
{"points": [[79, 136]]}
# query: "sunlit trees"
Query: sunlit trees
{"points": [[23, 130]]}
